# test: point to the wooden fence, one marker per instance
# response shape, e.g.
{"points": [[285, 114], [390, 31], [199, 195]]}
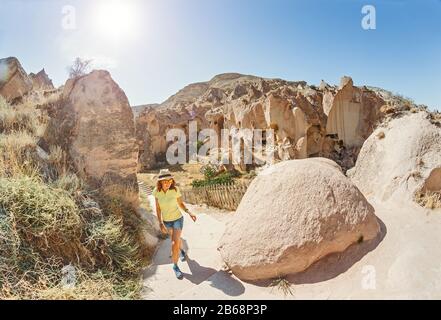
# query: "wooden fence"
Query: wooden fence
{"points": [[227, 196]]}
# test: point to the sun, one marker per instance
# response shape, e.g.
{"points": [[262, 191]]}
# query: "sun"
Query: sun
{"points": [[115, 19]]}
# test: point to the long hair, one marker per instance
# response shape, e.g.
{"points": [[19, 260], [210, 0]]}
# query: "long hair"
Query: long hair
{"points": [[159, 186]]}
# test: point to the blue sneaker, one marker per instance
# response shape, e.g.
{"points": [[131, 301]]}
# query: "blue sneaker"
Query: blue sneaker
{"points": [[178, 272], [183, 255]]}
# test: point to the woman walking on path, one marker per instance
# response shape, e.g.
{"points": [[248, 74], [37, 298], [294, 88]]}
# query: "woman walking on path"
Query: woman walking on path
{"points": [[168, 200]]}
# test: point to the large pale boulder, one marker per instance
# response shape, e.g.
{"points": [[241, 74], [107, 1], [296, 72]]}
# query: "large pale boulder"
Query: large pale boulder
{"points": [[401, 158], [14, 81], [293, 214], [95, 125]]}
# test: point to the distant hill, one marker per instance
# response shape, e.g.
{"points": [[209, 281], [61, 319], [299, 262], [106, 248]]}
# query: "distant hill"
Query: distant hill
{"points": [[138, 109]]}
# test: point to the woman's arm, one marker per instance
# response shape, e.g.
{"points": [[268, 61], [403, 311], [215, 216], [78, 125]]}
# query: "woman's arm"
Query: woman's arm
{"points": [[183, 207], [158, 211], [159, 215]]}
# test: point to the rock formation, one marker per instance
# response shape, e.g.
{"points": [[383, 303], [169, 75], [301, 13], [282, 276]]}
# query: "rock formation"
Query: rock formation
{"points": [[352, 112], [41, 81], [95, 125], [226, 101], [137, 110], [293, 214], [401, 158], [16, 84], [14, 81], [153, 125], [307, 121]]}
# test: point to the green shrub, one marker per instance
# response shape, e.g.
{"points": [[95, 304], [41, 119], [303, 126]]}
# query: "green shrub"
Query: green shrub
{"points": [[209, 171], [223, 178]]}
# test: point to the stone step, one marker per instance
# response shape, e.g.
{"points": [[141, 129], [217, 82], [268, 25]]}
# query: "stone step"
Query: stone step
{"points": [[144, 188]]}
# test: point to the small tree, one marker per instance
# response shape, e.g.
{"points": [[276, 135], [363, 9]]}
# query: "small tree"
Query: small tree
{"points": [[79, 68]]}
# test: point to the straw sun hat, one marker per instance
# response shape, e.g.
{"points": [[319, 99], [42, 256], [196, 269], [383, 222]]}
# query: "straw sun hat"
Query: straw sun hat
{"points": [[164, 174]]}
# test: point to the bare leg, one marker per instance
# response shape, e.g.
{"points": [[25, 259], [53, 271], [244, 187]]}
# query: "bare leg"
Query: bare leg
{"points": [[176, 245], [170, 234]]}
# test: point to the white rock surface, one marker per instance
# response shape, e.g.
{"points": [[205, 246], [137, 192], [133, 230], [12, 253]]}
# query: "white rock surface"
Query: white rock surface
{"points": [[400, 159], [293, 214]]}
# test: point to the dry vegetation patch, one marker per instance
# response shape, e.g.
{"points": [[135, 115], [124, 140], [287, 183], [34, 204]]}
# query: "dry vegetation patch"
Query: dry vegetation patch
{"points": [[428, 200], [50, 219]]}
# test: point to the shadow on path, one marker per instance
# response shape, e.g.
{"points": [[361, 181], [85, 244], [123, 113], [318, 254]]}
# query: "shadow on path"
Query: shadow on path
{"points": [[198, 273], [227, 284], [218, 279]]}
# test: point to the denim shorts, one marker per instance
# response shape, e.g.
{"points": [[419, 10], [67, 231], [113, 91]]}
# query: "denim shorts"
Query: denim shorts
{"points": [[177, 224]]}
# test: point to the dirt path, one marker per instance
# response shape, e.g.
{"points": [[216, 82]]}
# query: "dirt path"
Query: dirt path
{"points": [[404, 264], [203, 275]]}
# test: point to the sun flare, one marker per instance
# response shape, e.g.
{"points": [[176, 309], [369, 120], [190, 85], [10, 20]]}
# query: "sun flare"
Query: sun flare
{"points": [[116, 19]]}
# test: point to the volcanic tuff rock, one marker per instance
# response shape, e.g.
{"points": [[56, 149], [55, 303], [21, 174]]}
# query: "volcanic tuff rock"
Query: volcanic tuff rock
{"points": [[329, 121], [95, 125], [16, 85], [352, 112], [293, 214], [401, 158], [41, 81], [14, 81]]}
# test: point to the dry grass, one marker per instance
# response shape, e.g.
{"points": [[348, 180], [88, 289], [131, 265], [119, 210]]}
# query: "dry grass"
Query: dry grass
{"points": [[17, 119], [41, 223], [46, 218], [428, 200], [144, 202], [283, 286], [123, 204], [113, 247], [70, 183], [17, 152], [58, 160], [48, 221], [87, 286]]}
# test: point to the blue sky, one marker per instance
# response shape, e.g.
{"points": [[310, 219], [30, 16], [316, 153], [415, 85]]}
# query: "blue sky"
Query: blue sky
{"points": [[153, 48]]}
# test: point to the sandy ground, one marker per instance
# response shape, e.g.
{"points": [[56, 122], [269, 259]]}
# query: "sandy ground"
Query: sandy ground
{"points": [[403, 263], [204, 277], [184, 175]]}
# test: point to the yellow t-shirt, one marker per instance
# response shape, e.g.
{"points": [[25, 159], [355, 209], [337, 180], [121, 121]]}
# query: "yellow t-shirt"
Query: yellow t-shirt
{"points": [[168, 204]]}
